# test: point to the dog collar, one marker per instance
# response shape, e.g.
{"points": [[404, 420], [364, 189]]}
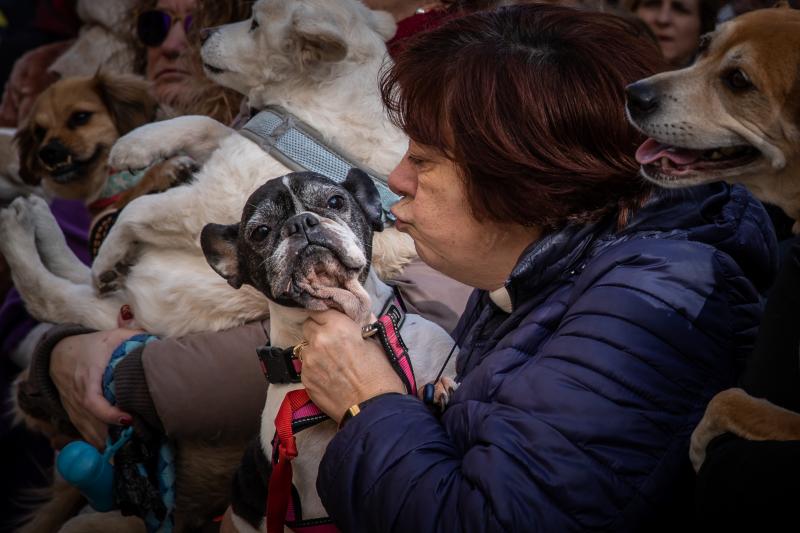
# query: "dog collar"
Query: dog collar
{"points": [[300, 147]]}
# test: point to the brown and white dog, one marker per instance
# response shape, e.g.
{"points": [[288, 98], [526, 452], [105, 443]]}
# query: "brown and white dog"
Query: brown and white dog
{"points": [[734, 115], [65, 141]]}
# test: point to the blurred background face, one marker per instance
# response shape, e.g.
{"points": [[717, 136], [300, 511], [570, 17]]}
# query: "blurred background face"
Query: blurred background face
{"points": [[676, 25], [169, 64]]}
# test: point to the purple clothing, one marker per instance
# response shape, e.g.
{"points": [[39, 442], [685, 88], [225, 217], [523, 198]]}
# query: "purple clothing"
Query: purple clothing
{"points": [[15, 322]]}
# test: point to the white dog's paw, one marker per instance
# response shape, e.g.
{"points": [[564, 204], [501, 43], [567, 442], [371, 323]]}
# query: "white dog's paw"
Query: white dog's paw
{"points": [[47, 229], [140, 148], [112, 264], [16, 220]]}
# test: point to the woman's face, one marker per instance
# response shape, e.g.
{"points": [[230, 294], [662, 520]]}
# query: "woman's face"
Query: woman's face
{"points": [[676, 25], [168, 65], [434, 211]]}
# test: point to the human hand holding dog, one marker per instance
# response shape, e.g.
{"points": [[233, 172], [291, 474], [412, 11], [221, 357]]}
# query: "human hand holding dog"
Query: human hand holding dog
{"points": [[77, 364], [340, 369]]}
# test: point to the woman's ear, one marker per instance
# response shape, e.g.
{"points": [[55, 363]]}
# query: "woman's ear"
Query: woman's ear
{"points": [[27, 148], [127, 99]]}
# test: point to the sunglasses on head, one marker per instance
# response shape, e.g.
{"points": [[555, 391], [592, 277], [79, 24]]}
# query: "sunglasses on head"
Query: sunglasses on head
{"points": [[152, 27]]}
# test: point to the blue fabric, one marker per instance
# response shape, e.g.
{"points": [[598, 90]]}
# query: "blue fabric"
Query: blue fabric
{"points": [[574, 412]]}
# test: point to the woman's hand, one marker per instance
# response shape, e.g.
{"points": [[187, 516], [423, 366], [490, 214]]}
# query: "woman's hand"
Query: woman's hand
{"points": [[76, 368], [340, 369]]}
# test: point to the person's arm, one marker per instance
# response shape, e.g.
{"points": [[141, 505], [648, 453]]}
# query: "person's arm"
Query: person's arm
{"points": [[572, 437], [199, 385]]}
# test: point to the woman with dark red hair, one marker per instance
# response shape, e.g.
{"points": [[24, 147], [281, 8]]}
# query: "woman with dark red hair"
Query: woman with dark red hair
{"points": [[606, 314]]}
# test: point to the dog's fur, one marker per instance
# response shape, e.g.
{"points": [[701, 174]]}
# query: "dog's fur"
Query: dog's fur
{"points": [[159, 233], [741, 95], [65, 141], [305, 252], [740, 99], [328, 78]]}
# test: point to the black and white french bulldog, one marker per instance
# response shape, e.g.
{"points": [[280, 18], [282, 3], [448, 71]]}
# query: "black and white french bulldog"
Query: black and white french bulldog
{"points": [[305, 242]]}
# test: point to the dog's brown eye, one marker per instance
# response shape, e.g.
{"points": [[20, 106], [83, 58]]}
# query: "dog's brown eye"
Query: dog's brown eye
{"points": [[336, 202], [79, 118], [260, 233], [737, 80], [39, 132]]}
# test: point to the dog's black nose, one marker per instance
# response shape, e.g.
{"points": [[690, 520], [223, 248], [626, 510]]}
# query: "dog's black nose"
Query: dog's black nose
{"points": [[642, 98], [205, 33], [54, 153], [300, 223]]}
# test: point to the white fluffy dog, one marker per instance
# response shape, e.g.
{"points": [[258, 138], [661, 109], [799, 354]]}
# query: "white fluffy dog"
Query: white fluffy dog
{"points": [[319, 60]]}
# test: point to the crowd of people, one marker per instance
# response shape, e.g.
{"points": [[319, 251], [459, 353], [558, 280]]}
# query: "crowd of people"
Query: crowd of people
{"points": [[595, 314]]}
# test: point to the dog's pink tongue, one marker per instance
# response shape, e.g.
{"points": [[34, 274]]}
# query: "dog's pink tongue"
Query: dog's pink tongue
{"points": [[651, 151]]}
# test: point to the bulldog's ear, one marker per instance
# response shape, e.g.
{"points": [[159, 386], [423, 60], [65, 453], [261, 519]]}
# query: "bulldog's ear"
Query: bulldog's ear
{"points": [[219, 244], [360, 185], [319, 40]]}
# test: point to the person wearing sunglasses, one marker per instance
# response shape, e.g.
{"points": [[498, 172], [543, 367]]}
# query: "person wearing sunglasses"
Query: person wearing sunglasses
{"points": [[162, 28]]}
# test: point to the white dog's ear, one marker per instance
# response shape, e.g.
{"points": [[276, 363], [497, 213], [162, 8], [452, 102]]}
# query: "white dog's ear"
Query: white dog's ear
{"points": [[320, 41], [383, 23], [219, 244]]}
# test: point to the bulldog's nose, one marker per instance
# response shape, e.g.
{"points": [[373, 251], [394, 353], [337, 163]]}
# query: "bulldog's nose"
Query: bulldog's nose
{"points": [[54, 153], [205, 33], [300, 223], [642, 98]]}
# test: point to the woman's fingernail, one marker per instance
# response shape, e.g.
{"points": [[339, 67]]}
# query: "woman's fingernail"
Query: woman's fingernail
{"points": [[126, 313], [125, 421]]}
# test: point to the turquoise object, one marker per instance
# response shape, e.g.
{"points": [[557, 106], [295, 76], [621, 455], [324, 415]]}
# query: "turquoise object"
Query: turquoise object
{"points": [[91, 472]]}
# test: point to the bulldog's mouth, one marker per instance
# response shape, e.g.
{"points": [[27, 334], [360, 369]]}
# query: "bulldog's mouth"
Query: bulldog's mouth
{"points": [[664, 162], [321, 280], [72, 170]]}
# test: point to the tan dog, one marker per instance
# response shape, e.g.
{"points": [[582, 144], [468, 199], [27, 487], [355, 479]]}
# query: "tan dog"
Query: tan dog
{"points": [[64, 143], [734, 115]]}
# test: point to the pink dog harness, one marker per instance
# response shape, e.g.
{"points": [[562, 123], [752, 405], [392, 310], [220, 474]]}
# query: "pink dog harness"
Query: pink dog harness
{"points": [[297, 412]]}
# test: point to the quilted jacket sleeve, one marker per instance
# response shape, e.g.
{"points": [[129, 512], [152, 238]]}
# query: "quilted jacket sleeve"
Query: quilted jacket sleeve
{"points": [[579, 432]]}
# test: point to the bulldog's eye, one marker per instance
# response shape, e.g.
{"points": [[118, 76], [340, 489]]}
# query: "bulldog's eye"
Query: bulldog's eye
{"points": [[254, 25], [336, 202], [737, 80], [259, 233], [79, 118]]}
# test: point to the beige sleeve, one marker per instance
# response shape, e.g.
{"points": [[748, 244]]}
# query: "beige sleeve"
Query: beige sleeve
{"points": [[208, 385]]}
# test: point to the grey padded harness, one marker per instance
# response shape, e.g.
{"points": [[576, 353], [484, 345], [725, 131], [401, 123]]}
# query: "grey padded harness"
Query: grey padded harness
{"points": [[301, 148]]}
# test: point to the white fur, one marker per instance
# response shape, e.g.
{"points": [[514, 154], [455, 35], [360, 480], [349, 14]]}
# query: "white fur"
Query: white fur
{"points": [[154, 246]]}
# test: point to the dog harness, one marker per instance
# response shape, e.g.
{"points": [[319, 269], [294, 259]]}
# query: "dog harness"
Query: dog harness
{"points": [[302, 148], [297, 412], [103, 217]]}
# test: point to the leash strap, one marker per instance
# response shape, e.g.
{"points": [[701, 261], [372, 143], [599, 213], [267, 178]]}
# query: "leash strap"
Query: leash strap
{"points": [[158, 518], [300, 147]]}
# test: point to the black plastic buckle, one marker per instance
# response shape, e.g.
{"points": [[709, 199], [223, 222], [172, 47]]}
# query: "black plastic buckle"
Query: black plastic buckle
{"points": [[276, 363]]}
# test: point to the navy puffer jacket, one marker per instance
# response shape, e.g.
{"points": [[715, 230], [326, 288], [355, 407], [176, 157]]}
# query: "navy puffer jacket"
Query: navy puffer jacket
{"points": [[574, 411]]}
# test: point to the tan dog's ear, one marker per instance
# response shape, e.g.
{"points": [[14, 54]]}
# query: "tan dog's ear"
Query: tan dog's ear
{"points": [[320, 41], [27, 148], [128, 100]]}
